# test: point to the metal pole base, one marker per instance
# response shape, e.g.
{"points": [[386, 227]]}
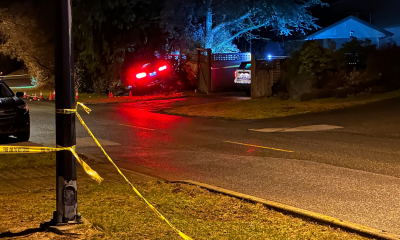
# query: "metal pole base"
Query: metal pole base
{"points": [[62, 226], [62, 229]]}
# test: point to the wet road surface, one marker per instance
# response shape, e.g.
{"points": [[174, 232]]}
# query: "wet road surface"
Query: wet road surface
{"points": [[350, 172]]}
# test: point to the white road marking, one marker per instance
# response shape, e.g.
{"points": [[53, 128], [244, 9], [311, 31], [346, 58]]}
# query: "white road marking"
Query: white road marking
{"points": [[310, 128]]}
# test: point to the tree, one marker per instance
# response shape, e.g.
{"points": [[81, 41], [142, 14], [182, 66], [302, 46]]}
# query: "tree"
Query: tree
{"points": [[26, 35], [104, 33], [216, 23], [107, 32]]}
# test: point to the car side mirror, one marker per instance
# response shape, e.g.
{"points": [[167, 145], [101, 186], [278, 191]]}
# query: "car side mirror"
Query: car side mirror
{"points": [[19, 94]]}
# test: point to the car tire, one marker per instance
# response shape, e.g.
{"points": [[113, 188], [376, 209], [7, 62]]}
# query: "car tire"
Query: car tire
{"points": [[248, 92], [24, 136]]}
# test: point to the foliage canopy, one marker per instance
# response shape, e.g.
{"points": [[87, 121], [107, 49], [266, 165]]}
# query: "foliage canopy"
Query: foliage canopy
{"points": [[204, 22]]}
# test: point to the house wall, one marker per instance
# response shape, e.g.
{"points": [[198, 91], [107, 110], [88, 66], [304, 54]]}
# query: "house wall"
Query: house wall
{"points": [[383, 14]]}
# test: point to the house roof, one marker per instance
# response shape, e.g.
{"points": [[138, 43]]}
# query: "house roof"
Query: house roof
{"points": [[386, 33]]}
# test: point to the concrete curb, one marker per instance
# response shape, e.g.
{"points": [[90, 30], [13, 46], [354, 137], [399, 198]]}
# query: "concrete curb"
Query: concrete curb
{"points": [[321, 218], [353, 227]]}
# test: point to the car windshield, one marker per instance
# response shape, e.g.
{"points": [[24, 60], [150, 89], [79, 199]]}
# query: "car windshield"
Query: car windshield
{"points": [[5, 91]]}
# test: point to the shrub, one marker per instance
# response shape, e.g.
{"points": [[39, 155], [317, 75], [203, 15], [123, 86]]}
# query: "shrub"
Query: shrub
{"points": [[356, 52], [332, 80], [302, 83], [385, 62], [290, 71], [341, 93], [317, 94], [313, 67], [317, 60]]}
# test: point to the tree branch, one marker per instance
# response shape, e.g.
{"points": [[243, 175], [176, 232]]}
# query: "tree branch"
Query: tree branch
{"points": [[238, 34], [222, 25], [38, 62]]}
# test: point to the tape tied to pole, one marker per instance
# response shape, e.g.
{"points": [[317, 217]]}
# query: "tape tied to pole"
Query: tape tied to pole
{"points": [[24, 150], [66, 111]]}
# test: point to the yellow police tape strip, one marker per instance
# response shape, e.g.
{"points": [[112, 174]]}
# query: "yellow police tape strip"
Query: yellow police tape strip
{"points": [[21, 149], [184, 236]]}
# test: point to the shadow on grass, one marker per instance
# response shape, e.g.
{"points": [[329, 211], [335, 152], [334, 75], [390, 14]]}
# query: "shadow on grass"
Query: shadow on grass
{"points": [[26, 232]]}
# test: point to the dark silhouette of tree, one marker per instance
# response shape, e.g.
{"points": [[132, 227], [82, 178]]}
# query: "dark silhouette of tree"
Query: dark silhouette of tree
{"points": [[106, 32]]}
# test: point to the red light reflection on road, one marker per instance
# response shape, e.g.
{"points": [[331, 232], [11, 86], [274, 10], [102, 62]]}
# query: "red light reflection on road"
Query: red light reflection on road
{"points": [[152, 135], [138, 114]]}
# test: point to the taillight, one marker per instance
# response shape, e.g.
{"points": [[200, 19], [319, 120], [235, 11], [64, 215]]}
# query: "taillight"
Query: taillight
{"points": [[235, 74], [162, 68], [141, 75]]}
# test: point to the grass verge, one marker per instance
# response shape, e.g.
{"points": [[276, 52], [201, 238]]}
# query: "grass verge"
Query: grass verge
{"points": [[270, 107], [100, 98], [113, 211]]}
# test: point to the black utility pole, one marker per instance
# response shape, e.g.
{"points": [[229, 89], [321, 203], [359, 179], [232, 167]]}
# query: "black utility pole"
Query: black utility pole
{"points": [[66, 212]]}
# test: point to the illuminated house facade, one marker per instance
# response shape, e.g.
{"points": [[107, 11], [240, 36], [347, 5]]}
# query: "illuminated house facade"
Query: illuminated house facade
{"points": [[363, 19]]}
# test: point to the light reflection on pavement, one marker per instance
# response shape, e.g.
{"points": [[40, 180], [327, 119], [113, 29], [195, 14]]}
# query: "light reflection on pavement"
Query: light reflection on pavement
{"points": [[351, 173]]}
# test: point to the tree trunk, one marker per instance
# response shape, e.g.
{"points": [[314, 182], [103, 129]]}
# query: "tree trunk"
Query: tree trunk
{"points": [[209, 34]]}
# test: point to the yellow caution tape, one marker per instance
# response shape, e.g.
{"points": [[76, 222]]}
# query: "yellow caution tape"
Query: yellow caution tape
{"points": [[65, 111], [93, 174], [21, 149], [88, 110]]}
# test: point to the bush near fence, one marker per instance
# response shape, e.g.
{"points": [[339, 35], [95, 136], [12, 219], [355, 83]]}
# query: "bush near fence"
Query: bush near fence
{"points": [[315, 72]]}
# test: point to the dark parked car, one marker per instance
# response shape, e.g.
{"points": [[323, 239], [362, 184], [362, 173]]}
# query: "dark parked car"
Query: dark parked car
{"points": [[14, 114]]}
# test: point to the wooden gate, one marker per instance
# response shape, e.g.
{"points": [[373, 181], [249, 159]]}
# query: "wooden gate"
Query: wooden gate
{"points": [[264, 74], [204, 73], [262, 78]]}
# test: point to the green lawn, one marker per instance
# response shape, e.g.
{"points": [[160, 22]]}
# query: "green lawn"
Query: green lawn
{"points": [[270, 107], [113, 211], [99, 98]]}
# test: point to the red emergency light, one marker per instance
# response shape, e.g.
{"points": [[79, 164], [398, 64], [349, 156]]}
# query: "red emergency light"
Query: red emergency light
{"points": [[160, 69], [141, 75]]}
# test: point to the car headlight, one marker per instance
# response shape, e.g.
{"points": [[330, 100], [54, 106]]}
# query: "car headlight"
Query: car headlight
{"points": [[24, 107]]}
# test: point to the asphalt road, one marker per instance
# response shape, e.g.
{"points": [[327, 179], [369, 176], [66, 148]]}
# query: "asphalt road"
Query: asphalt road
{"points": [[18, 82], [351, 172]]}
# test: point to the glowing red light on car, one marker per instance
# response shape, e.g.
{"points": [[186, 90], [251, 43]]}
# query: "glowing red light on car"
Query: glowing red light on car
{"points": [[141, 75], [235, 74], [162, 68]]}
